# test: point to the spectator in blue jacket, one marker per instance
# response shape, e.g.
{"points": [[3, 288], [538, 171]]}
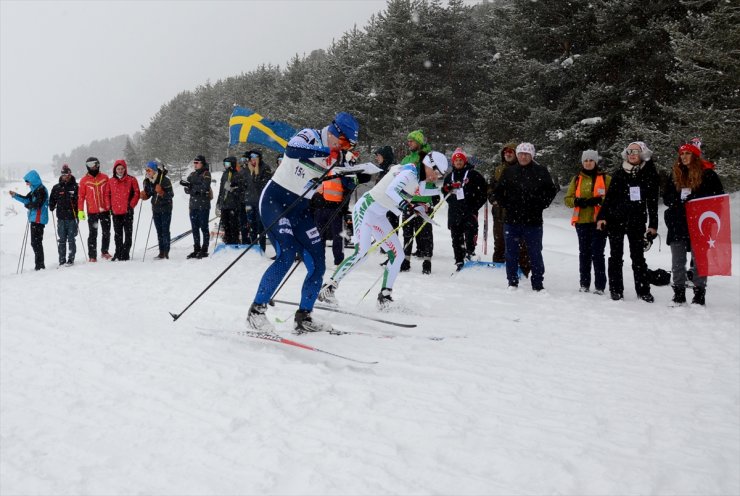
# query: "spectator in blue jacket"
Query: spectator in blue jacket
{"points": [[37, 203]]}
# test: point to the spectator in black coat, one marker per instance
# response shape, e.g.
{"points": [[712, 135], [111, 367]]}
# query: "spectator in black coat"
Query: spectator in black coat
{"points": [[255, 175], [468, 194], [198, 186], [632, 200], [385, 158], [691, 178], [63, 199], [524, 191], [230, 201]]}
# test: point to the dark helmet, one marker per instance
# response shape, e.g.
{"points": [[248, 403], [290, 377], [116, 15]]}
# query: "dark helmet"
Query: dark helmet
{"points": [[345, 125]]}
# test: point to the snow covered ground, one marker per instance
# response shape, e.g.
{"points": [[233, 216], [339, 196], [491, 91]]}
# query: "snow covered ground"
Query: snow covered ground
{"points": [[556, 393]]}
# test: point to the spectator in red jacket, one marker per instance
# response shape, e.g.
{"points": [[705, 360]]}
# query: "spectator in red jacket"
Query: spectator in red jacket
{"points": [[95, 191], [124, 195]]}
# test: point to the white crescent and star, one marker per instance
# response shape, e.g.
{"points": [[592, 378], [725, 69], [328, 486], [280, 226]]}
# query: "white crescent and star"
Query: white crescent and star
{"points": [[709, 215]]}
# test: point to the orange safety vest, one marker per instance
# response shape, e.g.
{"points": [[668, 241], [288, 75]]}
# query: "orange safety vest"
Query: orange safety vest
{"points": [[332, 189], [599, 189]]}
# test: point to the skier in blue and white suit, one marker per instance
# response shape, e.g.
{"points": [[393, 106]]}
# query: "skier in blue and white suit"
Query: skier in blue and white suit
{"points": [[307, 157]]}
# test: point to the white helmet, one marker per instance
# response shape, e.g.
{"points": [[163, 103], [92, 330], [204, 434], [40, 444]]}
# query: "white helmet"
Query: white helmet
{"points": [[436, 161]]}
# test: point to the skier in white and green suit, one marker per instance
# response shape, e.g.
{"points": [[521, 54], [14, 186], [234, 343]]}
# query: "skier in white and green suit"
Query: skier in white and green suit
{"points": [[394, 192]]}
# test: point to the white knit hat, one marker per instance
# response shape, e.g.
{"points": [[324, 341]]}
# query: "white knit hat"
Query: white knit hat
{"points": [[526, 148]]}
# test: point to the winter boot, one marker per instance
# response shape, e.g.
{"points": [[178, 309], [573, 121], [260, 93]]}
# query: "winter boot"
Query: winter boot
{"points": [[426, 267], [257, 320], [160, 256], [679, 295], [616, 295], [459, 266], [167, 255], [647, 297], [405, 265], [106, 255], [304, 322], [384, 298], [196, 252], [699, 294], [326, 294]]}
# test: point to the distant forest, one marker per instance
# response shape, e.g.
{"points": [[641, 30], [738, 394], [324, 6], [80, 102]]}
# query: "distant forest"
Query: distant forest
{"points": [[565, 75]]}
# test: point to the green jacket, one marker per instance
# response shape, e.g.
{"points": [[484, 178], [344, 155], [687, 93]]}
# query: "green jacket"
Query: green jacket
{"points": [[415, 158], [585, 214]]}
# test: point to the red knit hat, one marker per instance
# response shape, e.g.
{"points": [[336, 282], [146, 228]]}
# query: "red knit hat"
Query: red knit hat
{"points": [[690, 148], [459, 153]]}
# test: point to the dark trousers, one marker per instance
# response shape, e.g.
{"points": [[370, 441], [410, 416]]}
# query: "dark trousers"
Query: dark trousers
{"points": [[230, 225], [255, 225], [322, 216], [424, 240], [499, 244], [92, 238], [162, 224], [591, 243], [531, 236], [243, 224], [123, 228], [199, 224], [67, 231], [37, 243], [635, 235], [463, 238]]}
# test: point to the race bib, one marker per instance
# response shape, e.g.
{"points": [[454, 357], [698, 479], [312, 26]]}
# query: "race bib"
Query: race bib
{"points": [[685, 192], [635, 193], [459, 194]]}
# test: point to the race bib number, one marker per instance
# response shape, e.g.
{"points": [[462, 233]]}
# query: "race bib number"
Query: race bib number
{"points": [[459, 194], [685, 192], [635, 193]]}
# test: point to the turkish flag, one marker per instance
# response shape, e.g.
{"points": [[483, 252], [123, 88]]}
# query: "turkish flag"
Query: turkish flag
{"points": [[711, 237]]}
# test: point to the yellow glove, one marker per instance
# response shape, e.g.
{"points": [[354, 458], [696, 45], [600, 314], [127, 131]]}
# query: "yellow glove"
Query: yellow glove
{"points": [[81, 215]]}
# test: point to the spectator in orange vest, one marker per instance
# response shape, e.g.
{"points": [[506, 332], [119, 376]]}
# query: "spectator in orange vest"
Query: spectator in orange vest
{"points": [[585, 196]]}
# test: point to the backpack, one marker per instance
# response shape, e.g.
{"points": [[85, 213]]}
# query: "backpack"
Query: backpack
{"points": [[659, 277]]}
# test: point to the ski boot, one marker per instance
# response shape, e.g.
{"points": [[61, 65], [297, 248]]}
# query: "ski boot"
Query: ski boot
{"points": [[257, 320], [304, 322], [384, 298]]}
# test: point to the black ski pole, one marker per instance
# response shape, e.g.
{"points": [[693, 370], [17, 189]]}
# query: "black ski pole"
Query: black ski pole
{"points": [[136, 233], [23, 247], [285, 212], [147, 236]]}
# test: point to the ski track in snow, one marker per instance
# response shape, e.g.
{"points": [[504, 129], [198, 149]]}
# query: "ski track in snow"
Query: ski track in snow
{"points": [[562, 392]]}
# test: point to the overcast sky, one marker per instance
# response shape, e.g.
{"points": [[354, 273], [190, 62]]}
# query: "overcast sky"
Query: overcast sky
{"points": [[75, 71]]}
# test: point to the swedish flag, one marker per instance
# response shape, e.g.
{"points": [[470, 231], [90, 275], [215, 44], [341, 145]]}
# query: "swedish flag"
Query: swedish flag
{"points": [[247, 126]]}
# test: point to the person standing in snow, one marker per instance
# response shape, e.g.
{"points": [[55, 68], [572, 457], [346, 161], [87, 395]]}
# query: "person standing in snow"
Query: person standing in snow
{"points": [[63, 199], [230, 201], [395, 192], [95, 192], [285, 209], [158, 187], [691, 178], [37, 203], [525, 190], [468, 188], [385, 158], [418, 148], [255, 175], [198, 186], [585, 195], [508, 159], [632, 199], [124, 196]]}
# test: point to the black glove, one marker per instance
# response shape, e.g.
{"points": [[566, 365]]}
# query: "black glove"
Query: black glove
{"points": [[184, 183], [596, 200], [407, 208], [187, 190], [580, 202]]}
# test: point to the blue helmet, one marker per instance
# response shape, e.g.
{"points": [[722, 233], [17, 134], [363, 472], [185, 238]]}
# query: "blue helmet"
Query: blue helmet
{"points": [[346, 125]]}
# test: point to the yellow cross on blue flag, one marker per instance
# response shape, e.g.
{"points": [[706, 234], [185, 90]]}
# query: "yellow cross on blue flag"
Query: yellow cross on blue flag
{"points": [[247, 126]]}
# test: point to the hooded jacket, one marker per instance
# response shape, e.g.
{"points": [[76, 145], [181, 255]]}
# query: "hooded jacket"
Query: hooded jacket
{"points": [[63, 199], [159, 203], [124, 191], [37, 200], [388, 159]]}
